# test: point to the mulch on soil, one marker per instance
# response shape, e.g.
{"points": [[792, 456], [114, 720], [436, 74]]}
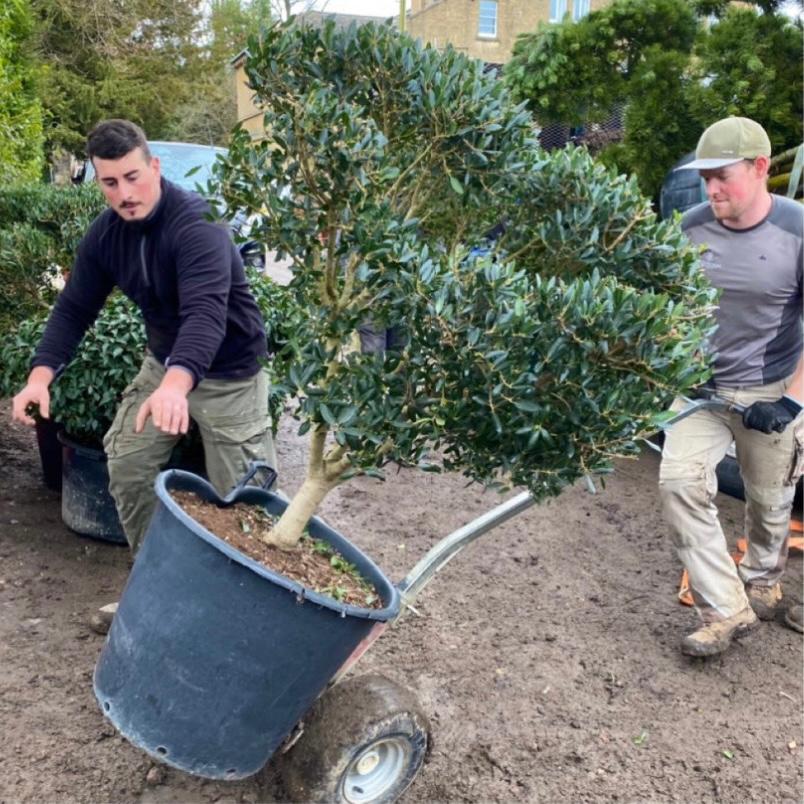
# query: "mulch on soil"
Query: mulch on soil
{"points": [[313, 564]]}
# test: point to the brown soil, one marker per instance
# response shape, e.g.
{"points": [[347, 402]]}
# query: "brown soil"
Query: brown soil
{"points": [[313, 564], [545, 655]]}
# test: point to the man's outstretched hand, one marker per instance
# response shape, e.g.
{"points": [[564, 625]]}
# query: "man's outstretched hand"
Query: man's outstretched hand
{"points": [[167, 405], [34, 393], [771, 417]]}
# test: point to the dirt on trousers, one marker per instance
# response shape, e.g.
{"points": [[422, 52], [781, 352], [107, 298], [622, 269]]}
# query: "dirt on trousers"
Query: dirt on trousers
{"points": [[545, 654]]}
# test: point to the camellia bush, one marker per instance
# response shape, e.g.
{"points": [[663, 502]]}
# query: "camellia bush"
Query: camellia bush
{"points": [[549, 316], [84, 399]]}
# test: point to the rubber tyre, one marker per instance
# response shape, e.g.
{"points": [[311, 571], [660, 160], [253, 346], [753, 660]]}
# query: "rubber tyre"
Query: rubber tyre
{"points": [[357, 721]]}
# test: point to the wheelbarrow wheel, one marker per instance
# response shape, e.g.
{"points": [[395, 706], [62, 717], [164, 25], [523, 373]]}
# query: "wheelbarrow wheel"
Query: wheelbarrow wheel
{"points": [[363, 741]]}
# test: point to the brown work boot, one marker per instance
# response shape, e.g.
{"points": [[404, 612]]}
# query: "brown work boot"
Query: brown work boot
{"points": [[101, 621], [794, 617], [764, 600], [713, 638]]}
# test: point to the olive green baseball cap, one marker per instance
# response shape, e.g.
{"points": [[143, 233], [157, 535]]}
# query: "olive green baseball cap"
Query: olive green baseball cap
{"points": [[727, 142]]}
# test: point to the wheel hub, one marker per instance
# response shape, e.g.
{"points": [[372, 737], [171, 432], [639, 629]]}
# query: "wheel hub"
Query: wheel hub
{"points": [[367, 763], [376, 770]]}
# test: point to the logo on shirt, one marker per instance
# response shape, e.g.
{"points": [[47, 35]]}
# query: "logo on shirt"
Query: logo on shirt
{"points": [[710, 261]]}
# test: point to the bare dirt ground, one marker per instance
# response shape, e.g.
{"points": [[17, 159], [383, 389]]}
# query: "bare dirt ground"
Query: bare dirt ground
{"points": [[545, 654]]}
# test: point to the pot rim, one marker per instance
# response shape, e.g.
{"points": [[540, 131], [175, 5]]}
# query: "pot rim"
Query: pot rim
{"points": [[182, 480]]}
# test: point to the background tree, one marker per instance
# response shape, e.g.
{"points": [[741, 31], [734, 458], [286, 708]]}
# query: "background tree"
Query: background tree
{"points": [[671, 71], [532, 360], [577, 72], [161, 63], [21, 139], [751, 64], [108, 59], [210, 113]]}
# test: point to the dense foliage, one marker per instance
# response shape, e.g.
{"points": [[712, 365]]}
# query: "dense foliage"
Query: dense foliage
{"points": [[85, 398], [67, 64], [40, 228], [673, 66], [20, 110], [531, 359], [751, 64]]}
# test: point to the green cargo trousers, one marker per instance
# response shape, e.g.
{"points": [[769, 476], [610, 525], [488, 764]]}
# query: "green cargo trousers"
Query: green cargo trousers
{"points": [[770, 465], [232, 416]]}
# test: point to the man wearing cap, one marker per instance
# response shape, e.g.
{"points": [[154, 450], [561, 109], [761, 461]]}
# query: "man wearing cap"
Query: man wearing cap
{"points": [[752, 252]]}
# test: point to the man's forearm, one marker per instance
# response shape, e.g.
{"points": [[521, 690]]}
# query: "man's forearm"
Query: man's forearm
{"points": [[41, 375], [177, 379], [796, 389]]}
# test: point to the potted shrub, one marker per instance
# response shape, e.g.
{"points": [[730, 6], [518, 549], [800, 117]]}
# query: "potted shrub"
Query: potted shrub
{"points": [[84, 400], [83, 403], [532, 359], [41, 227]]}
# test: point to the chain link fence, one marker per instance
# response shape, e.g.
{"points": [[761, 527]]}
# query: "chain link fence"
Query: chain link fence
{"points": [[595, 136]]}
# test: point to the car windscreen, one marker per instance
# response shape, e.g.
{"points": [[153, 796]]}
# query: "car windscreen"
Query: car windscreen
{"points": [[176, 160]]}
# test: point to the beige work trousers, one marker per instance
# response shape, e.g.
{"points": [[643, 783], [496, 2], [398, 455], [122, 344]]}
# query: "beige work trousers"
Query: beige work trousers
{"points": [[770, 465], [232, 416]]}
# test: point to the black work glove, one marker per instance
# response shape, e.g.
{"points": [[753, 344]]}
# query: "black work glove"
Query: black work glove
{"points": [[769, 417]]}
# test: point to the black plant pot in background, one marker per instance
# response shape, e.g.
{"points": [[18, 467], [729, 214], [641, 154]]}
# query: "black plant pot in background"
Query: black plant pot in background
{"points": [[47, 439], [87, 506]]}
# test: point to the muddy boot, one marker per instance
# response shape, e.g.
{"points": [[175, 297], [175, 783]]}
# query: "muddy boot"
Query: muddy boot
{"points": [[101, 620], [794, 617], [764, 600], [713, 638]]}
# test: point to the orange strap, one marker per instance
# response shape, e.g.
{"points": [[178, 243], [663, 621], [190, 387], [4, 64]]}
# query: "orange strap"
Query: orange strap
{"points": [[795, 543]]}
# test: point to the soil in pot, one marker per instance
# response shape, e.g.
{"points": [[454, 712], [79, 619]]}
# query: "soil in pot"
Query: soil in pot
{"points": [[314, 563]]}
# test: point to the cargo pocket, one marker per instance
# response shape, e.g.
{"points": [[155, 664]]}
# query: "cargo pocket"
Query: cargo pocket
{"points": [[797, 467], [230, 444], [125, 411]]}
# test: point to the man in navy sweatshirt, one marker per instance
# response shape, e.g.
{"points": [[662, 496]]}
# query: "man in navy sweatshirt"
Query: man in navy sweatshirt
{"points": [[206, 337]]}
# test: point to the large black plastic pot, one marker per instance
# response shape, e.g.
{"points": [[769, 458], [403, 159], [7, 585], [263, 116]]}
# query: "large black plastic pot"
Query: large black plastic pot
{"points": [[47, 440], [87, 506], [212, 659]]}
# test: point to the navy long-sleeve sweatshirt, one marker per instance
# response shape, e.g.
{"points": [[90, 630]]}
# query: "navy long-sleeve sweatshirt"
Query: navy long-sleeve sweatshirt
{"points": [[185, 275]]}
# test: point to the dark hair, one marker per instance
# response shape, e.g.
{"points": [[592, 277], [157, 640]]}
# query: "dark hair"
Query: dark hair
{"points": [[113, 139]]}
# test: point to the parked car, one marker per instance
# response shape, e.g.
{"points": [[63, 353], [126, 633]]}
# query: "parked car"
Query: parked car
{"points": [[189, 165], [681, 189]]}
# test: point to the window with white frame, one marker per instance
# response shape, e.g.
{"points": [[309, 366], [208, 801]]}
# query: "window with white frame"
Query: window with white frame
{"points": [[558, 8], [487, 21], [580, 8]]}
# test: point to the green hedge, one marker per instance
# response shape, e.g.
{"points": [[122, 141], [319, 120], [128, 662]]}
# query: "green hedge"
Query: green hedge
{"points": [[40, 228], [85, 398]]}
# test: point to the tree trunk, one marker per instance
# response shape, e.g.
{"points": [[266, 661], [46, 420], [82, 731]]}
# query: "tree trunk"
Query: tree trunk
{"points": [[287, 532]]}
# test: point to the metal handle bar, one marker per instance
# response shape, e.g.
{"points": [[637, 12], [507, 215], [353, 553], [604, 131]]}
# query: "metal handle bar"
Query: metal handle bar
{"points": [[451, 545], [693, 406], [706, 403], [446, 549]]}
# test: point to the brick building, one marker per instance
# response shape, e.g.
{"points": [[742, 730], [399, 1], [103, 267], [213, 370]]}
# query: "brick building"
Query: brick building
{"points": [[487, 29], [248, 113]]}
